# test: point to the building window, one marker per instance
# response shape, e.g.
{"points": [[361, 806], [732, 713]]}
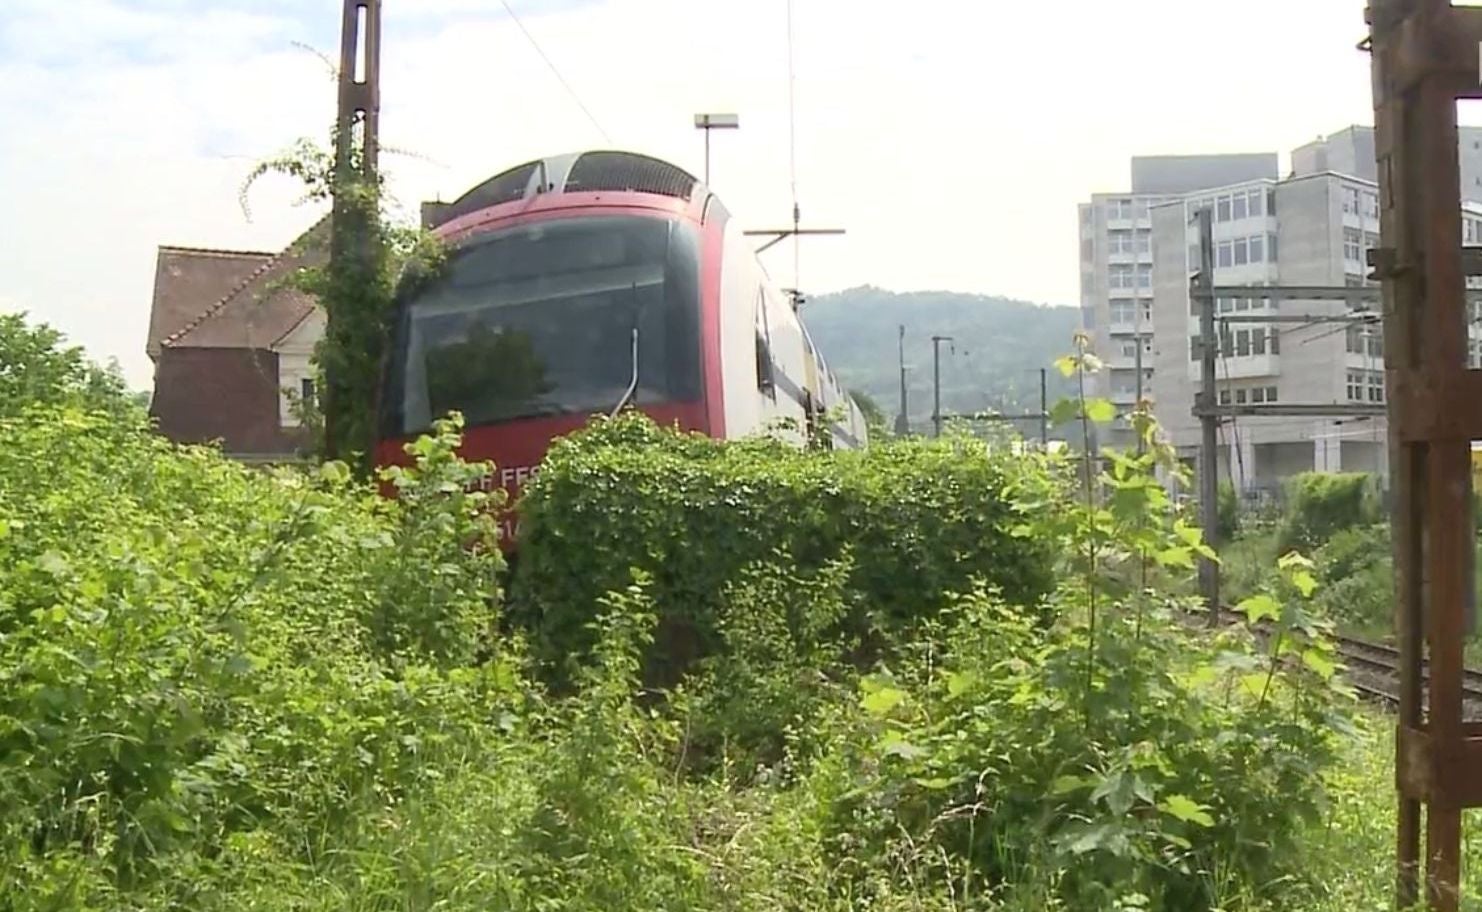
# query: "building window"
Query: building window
{"points": [[1271, 248], [1274, 337], [1351, 200], [1242, 251], [1240, 397], [1376, 344], [306, 392], [1237, 207], [1147, 311], [1226, 256], [1270, 394], [1242, 342], [1355, 341], [1352, 241], [1258, 341], [1258, 394], [1257, 249], [1145, 275], [1224, 397], [1356, 386], [1222, 209], [1129, 348], [1271, 201], [1371, 205], [1242, 304], [1122, 311], [1144, 240], [1118, 209], [1376, 386]]}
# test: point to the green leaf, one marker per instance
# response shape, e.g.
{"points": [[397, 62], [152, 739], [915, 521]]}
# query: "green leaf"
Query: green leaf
{"points": [[1184, 808], [1064, 412], [53, 563], [883, 701], [1304, 582], [1259, 607], [958, 682], [335, 472], [1101, 410], [1066, 365], [1315, 659], [1174, 557]]}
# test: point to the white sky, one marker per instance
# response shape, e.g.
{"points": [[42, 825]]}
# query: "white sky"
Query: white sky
{"points": [[951, 138]]}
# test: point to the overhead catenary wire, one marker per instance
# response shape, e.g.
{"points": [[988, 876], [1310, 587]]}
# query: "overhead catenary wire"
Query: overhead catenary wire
{"points": [[556, 71], [792, 153]]}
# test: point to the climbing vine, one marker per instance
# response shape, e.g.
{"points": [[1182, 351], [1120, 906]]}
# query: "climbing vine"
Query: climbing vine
{"points": [[369, 251]]}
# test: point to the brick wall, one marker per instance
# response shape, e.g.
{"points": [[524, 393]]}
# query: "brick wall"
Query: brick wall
{"points": [[226, 394]]}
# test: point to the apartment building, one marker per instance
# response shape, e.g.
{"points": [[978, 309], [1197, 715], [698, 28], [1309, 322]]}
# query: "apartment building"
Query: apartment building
{"points": [[1309, 229], [1312, 229], [1117, 264]]}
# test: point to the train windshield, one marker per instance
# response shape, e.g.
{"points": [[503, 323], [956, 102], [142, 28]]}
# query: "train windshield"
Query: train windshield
{"points": [[539, 320]]}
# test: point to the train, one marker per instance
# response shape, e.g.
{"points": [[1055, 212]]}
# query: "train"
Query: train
{"points": [[587, 283]]}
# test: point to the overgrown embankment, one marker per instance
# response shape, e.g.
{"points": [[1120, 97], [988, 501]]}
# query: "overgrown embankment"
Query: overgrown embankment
{"points": [[229, 689]]}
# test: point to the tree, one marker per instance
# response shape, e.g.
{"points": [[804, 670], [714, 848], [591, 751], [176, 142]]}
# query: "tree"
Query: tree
{"points": [[37, 369]]}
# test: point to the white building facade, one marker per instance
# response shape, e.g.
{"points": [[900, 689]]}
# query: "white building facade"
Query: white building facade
{"points": [[1117, 266]]}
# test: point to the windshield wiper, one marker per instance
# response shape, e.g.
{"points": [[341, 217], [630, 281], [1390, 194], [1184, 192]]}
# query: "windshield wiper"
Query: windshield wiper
{"points": [[633, 383]]}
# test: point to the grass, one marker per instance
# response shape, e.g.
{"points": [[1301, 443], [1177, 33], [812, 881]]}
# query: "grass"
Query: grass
{"points": [[1351, 861]]}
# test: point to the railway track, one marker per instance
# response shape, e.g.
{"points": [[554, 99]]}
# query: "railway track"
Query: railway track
{"points": [[1373, 670]]}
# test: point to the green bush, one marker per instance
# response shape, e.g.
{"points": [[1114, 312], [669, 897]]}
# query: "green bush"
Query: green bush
{"points": [[1320, 504], [1229, 513], [921, 519], [194, 652]]}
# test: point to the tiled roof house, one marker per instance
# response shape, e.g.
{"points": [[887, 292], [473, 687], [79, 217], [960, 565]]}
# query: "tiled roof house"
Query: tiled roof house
{"points": [[231, 341]]}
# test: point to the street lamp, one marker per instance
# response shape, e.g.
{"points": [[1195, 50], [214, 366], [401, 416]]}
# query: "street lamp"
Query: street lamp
{"points": [[708, 122]]}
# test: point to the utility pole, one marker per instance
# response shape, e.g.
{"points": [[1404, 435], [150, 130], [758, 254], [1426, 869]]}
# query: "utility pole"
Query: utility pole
{"points": [[902, 422], [1044, 409], [1137, 320], [1209, 420], [936, 380], [357, 148]]}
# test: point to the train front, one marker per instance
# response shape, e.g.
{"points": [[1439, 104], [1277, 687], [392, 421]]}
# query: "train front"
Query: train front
{"points": [[566, 292]]}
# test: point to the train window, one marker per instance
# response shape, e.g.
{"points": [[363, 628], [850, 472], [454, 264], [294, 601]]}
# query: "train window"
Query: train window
{"points": [[766, 379], [539, 320]]}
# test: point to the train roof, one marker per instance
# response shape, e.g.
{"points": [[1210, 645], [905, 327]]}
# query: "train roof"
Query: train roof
{"points": [[595, 171]]}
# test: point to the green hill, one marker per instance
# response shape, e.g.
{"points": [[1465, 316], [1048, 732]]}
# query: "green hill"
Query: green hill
{"points": [[1001, 344]]}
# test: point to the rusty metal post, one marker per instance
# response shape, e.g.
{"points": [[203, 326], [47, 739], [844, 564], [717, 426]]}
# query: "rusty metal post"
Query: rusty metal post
{"points": [[1425, 57]]}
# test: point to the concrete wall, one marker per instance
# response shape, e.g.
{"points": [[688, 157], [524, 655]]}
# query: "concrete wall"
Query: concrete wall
{"points": [[1158, 174], [1351, 151]]}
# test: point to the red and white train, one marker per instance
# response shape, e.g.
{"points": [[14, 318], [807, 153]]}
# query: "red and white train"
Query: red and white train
{"points": [[579, 284]]}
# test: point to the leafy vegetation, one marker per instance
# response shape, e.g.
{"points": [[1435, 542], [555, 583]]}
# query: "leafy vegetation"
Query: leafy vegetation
{"points": [[234, 689], [355, 285], [916, 521], [1320, 504]]}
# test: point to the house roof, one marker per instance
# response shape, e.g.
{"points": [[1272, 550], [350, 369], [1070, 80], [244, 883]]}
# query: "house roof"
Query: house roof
{"points": [[187, 278], [231, 299]]}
